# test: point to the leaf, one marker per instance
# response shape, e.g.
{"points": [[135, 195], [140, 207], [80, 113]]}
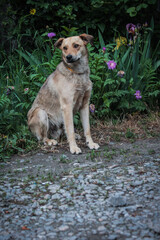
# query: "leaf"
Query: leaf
{"points": [[37, 84], [142, 5], [109, 81], [102, 43], [136, 61], [157, 64], [95, 77], [154, 93], [132, 11], [101, 27], [123, 80], [125, 56], [24, 228]]}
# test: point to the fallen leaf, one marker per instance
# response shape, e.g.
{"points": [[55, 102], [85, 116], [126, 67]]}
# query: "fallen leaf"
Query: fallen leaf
{"points": [[24, 228]]}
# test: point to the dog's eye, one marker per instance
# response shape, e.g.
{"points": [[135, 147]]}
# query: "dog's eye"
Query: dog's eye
{"points": [[76, 45], [65, 48]]}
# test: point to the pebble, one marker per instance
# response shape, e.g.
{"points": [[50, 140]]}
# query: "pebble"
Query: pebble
{"points": [[63, 228], [155, 223], [38, 212], [101, 229], [118, 201]]}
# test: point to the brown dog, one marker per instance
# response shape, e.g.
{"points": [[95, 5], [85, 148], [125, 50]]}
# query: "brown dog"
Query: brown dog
{"points": [[66, 91]]}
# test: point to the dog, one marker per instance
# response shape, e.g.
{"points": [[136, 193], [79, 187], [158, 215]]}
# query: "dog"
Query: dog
{"points": [[66, 91]]}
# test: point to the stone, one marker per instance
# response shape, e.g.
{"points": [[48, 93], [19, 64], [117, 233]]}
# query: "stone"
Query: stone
{"points": [[38, 212], [54, 188], [101, 229], [136, 183], [155, 223], [117, 201], [63, 228], [35, 204], [56, 196]]}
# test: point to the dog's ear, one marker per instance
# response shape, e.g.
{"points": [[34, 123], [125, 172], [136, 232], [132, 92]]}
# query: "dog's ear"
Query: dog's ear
{"points": [[58, 43], [87, 38]]}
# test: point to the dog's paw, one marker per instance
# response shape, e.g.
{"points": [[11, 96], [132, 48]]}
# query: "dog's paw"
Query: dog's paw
{"points": [[75, 150], [50, 142], [93, 145]]}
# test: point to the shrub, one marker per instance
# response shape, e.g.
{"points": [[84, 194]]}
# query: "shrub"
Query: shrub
{"points": [[114, 88]]}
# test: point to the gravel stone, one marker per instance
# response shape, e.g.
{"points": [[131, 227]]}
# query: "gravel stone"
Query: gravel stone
{"points": [[101, 229], [118, 201], [155, 223], [63, 228], [38, 212]]}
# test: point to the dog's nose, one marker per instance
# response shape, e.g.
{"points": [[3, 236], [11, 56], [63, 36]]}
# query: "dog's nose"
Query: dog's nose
{"points": [[69, 57]]}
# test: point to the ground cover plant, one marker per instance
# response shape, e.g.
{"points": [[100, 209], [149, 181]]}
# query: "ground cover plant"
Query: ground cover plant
{"points": [[124, 72]]}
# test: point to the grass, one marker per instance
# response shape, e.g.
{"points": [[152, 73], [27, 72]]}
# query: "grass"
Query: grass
{"points": [[129, 129], [133, 127], [64, 159]]}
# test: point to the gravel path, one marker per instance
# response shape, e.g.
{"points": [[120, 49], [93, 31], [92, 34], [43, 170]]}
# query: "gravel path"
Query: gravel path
{"points": [[113, 193]]}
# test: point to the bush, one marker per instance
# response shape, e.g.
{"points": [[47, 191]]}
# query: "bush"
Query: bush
{"points": [[18, 24], [115, 91]]}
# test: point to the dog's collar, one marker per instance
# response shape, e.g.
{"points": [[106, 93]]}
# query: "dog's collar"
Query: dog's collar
{"points": [[71, 70]]}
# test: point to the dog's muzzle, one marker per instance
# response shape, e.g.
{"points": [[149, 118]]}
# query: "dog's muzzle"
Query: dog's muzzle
{"points": [[71, 59]]}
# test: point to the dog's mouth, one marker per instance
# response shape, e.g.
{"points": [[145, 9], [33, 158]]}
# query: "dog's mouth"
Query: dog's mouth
{"points": [[72, 60]]}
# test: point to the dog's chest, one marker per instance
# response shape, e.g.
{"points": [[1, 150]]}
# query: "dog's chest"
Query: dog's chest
{"points": [[82, 87]]}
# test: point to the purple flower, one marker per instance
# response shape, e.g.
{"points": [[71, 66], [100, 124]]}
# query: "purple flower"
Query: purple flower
{"points": [[104, 49], [52, 34], [111, 64], [130, 28], [138, 94], [92, 108]]}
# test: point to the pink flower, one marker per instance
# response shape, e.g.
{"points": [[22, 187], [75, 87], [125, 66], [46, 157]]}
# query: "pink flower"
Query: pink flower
{"points": [[11, 87], [26, 89], [111, 64], [51, 34], [104, 49], [138, 94]]}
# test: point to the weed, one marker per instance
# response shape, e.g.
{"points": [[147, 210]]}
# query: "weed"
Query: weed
{"points": [[64, 159], [130, 134], [151, 151]]}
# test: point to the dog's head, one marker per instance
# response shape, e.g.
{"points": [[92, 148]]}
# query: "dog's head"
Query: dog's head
{"points": [[73, 48]]}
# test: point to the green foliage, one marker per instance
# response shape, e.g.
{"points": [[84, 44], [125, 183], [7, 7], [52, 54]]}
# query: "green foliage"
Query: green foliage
{"points": [[114, 95], [20, 141], [94, 16], [21, 78]]}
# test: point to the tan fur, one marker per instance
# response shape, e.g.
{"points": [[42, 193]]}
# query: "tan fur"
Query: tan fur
{"points": [[66, 91]]}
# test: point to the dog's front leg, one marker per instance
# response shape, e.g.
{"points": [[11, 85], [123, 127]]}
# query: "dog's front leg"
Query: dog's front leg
{"points": [[84, 112], [67, 111]]}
